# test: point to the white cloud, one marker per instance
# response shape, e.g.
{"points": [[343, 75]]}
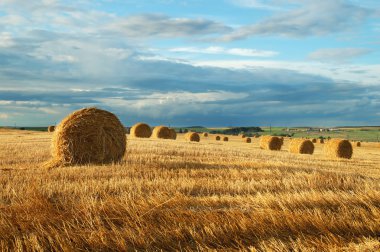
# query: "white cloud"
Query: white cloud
{"points": [[338, 54], [6, 40], [229, 51], [4, 116]]}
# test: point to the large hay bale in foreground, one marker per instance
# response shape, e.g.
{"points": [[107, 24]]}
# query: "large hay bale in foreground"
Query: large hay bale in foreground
{"points": [[173, 134], [141, 130], [87, 136], [161, 132], [217, 138], [338, 148], [51, 128], [270, 143], [301, 146], [225, 139], [247, 140], [205, 134], [192, 137]]}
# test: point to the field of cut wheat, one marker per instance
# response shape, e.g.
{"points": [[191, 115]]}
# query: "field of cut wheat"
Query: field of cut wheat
{"points": [[173, 195]]}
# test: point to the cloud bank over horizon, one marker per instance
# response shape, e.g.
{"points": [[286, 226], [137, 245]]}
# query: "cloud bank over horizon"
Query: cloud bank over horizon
{"points": [[262, 63]]}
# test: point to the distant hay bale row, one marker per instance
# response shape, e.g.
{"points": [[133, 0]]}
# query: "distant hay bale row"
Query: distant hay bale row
{"points": [[192, 137], [270, 143], [51, 128], [338, 148], [141, 130], [301, 146], [86, 136]]}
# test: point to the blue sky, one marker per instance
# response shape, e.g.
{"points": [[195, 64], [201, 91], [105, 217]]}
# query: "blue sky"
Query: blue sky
{"points": [[182, 62]]}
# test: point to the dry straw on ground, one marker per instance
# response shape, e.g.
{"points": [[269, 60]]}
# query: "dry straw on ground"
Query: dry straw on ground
{"points": [[141, 130], [51, 128], [192, 137], [87, 136], [205, 134], [270, 143], [247, 140], [225, 139], [217, 138], [338, 148], [301, 146], [161, 132], [173, 134]]}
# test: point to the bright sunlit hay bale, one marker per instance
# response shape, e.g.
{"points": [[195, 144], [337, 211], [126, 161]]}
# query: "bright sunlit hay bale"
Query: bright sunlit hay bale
{"points": [[338, 148], [270, 143], [141, 130], [205, 134], [217, 138], [358, 144], [225, 139], [301, 146], [162, 132], [192, 137], [51, 128], [173, 134], [88, 136], [247, 140]]}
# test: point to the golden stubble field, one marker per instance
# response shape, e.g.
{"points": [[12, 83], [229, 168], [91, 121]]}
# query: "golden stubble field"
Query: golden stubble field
{"points": [[174, 195]]}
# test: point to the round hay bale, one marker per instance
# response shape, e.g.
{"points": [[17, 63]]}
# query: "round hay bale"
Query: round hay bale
{"points": [[141, 130], [243, 136], [51, 128], [162, 132], [225, 139], [301, 146], [173, 134], [89, 135], [338, 148], [192, 137], [282, 140], [314, 140], [205, 134], [247, 140], [270, 143], [321, 140], [217, 138], [358, 144]]}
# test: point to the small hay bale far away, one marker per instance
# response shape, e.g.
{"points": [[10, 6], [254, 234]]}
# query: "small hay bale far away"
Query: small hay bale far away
{"points": [[217, 138], [225, 139], [205, 134], [247, 140], [314, 140], [338, 148], [242, 136], [162, 132], [321, 140], [192, 137], [301, 146], [141, 130], [88, 136], [173, 134], [358, 144], [51, 128], [270, 143]]}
